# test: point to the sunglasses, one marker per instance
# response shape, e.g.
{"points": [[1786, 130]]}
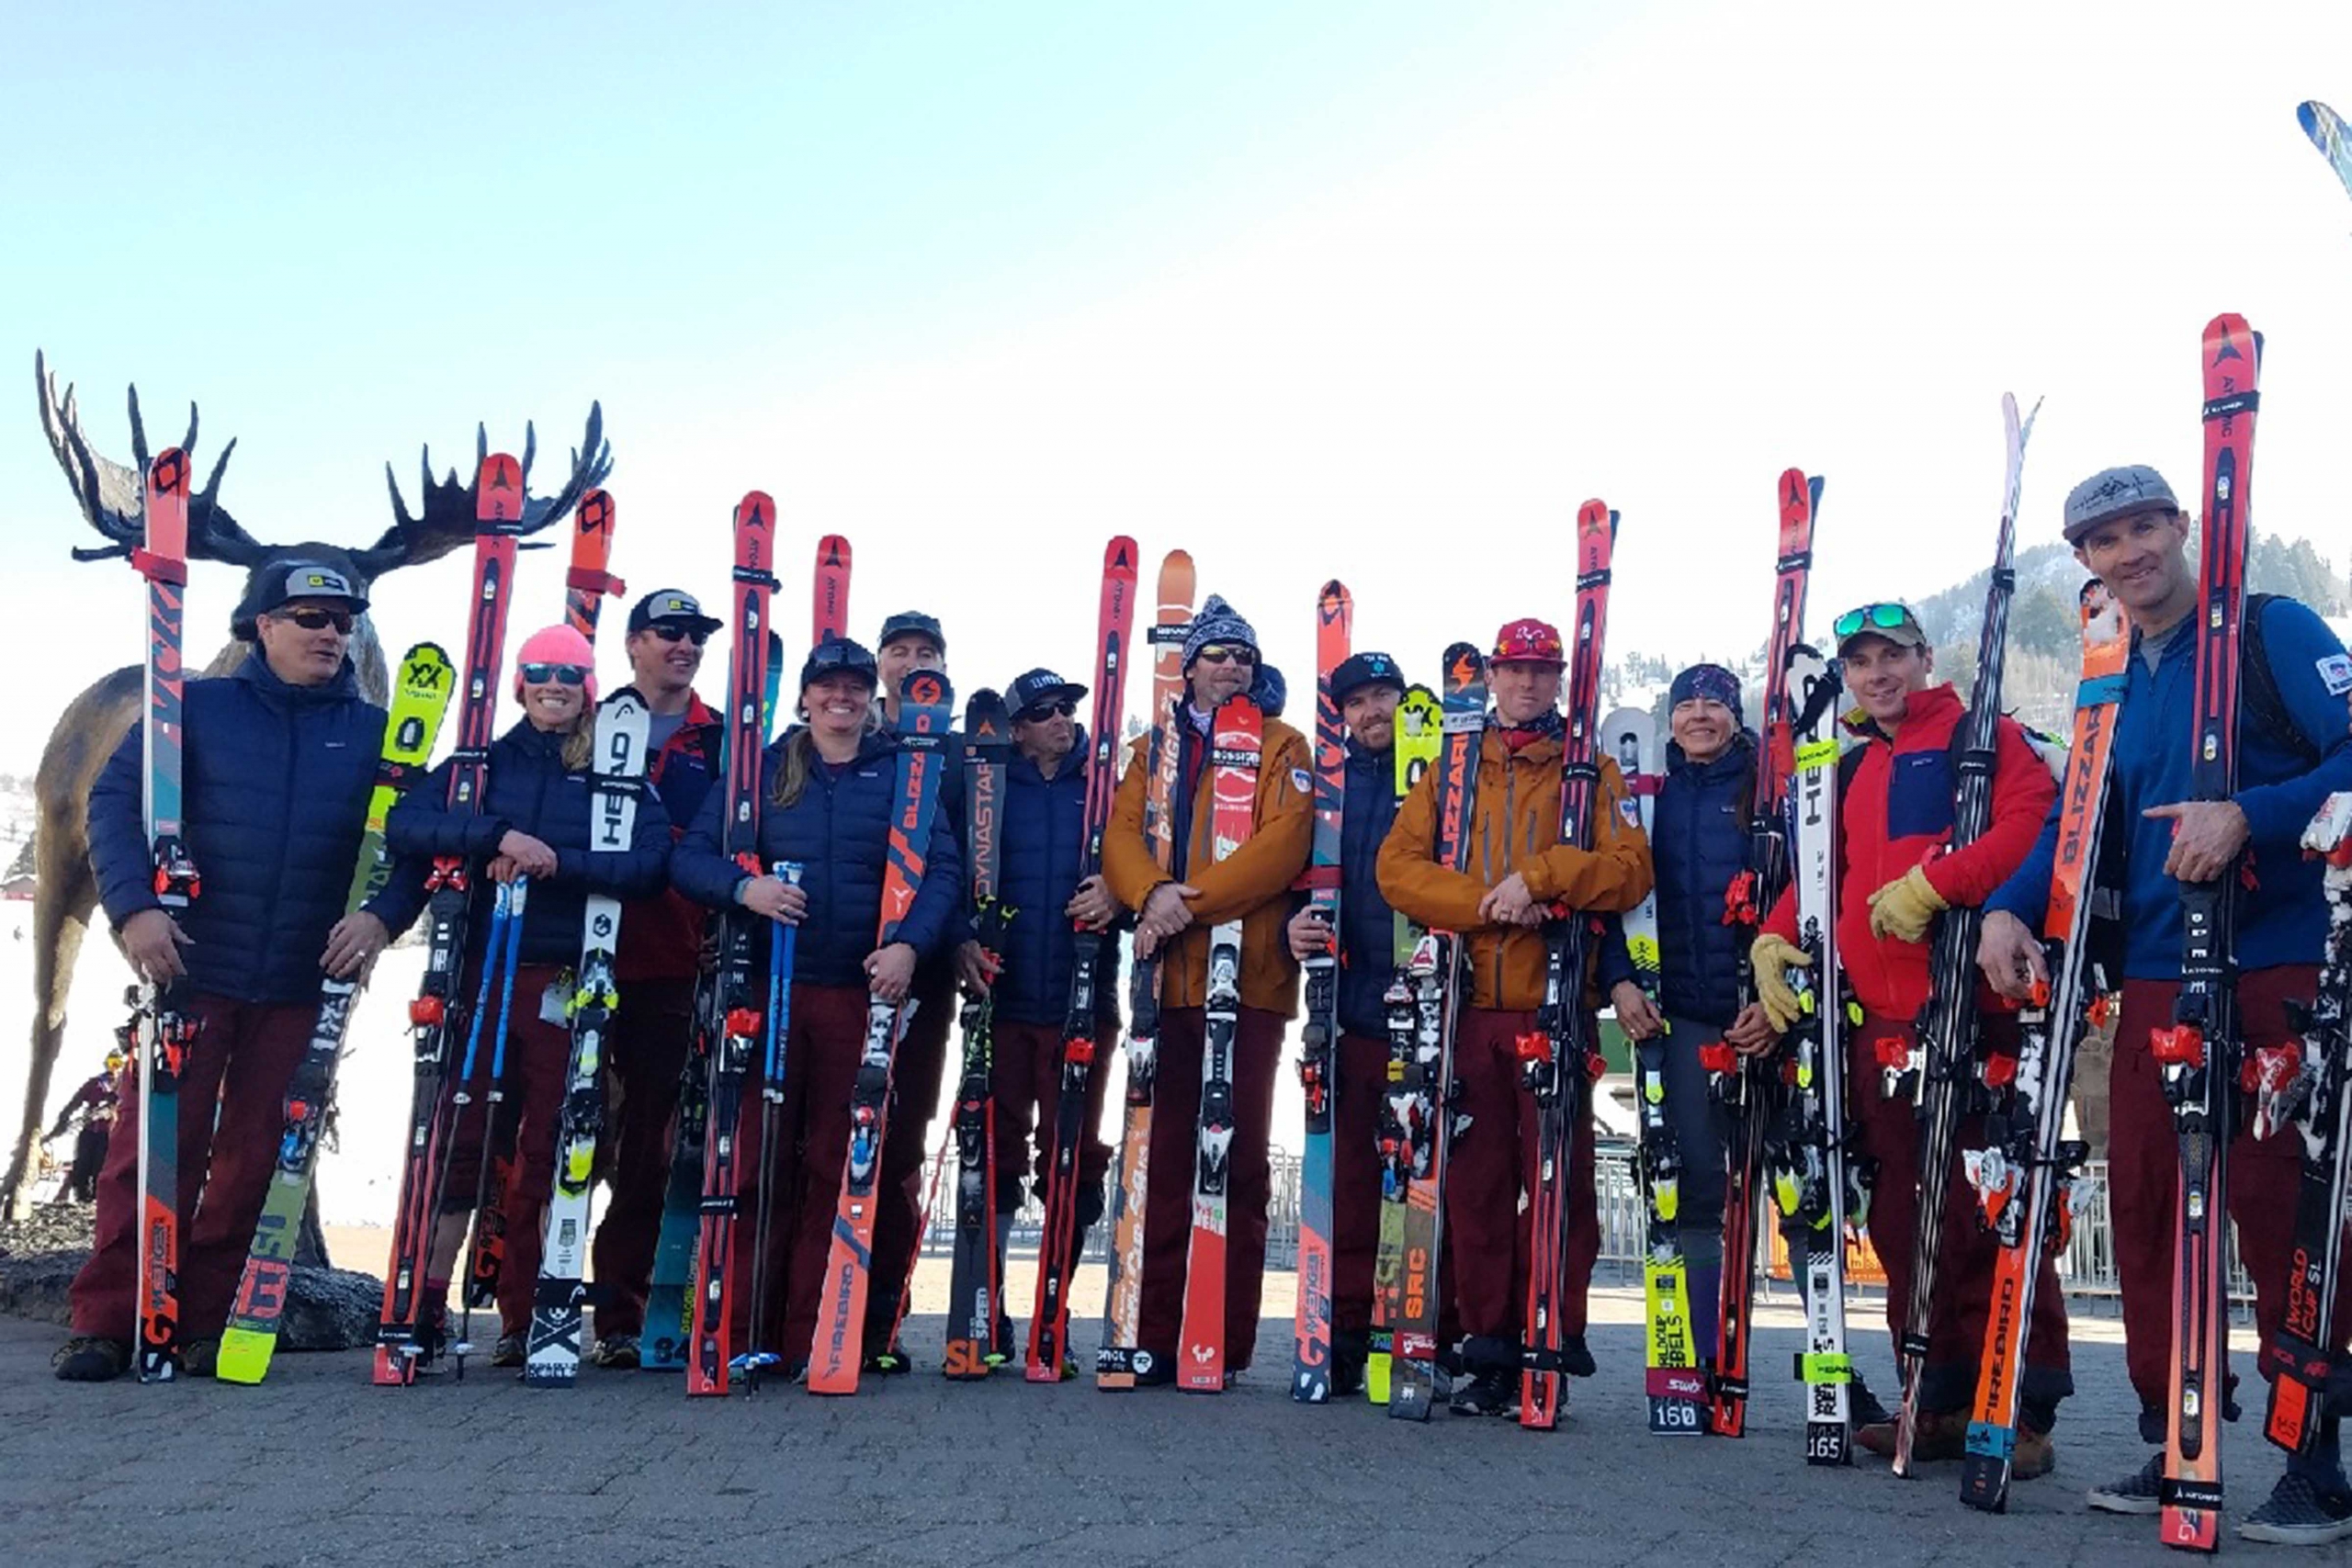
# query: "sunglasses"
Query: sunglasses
{"points": [[669, 631], [1045, 711], [1877, 617], [1219, 654], [316, 620], [562, 674]]}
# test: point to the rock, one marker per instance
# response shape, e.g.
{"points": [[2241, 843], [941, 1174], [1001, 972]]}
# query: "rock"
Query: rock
{"points": [[326, 1309]]}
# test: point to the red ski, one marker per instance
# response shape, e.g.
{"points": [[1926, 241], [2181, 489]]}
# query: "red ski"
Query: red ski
{"points": [[1058, 1250], [708, 1358], [1239, 738], [831, 615]]}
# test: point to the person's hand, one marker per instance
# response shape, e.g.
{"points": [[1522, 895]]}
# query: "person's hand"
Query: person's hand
{"points": [[1164, 915], [351, 946], [1637, 1014], [1509, 903], [976, 967], [891, 973], [2010, 958], [2207, 838], [1905, 906], [1309, 934], [774, 897], [152, 939], [1092, 906], [1771, 959], [1751, 1033], [531, 856]]}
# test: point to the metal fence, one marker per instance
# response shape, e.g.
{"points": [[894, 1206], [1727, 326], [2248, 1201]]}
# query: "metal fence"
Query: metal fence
{"points": [[2086, 1268]]}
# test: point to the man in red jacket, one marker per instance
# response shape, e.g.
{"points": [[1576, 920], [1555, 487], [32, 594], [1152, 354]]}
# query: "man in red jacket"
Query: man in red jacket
{"points": [[1894, 819], [660, 957]]}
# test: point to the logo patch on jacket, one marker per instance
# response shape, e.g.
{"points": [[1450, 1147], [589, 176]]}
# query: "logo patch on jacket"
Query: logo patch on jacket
{"points": [[1630, 811], [2336, 671], [1301, 781]]}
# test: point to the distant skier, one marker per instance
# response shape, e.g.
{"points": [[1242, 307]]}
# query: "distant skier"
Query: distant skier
{"points": [[94, 1104]]}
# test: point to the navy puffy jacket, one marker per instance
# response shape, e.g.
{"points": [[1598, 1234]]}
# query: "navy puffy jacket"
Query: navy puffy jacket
{"points": [[1367, 927], [530, 791], [1043, 832], [275, 786], [1699, 842], [839, 831]]}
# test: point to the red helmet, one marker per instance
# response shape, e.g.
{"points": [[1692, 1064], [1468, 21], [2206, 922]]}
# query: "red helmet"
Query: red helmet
{"points": [[1528, 641]]}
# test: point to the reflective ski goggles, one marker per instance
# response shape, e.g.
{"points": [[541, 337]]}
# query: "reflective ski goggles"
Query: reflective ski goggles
{"points": [[671, 631], [1045, 711], [1220, 653], [1892, 621], [315, 620], [562, 674]]}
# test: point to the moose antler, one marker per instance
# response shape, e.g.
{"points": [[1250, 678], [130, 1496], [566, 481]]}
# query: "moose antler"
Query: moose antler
{"points": [[113, 497], [447, 519]]}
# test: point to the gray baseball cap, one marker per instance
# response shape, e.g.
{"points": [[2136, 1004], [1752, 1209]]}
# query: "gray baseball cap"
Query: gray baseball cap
{"points": [[2115, 492]]}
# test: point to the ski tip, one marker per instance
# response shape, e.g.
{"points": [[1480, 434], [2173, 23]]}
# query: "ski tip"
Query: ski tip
{"points": [[2311, 115], [756, 510], [1119, 557]]}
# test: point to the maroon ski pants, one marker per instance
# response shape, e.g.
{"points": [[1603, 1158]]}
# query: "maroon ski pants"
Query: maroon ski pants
{"points": [[1026, 1080], [2143, 1178], [915, 1079], [1490, 1163], [820, 1056], [243, 1056], [1168, 1213], [1888, 1131], [1355, 1179], [651, 1035], [538, 1059]]}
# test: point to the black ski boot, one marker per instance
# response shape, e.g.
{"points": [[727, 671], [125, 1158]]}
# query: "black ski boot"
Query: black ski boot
{"points": [[89, 1357], [1488, 1381], [1349, 1353]]}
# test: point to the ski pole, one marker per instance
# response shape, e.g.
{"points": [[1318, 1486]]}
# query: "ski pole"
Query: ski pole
{"points": [[518, 894], [782, 942]]}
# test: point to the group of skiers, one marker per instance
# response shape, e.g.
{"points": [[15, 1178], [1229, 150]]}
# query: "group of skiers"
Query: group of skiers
{"points": [[281, 760]]}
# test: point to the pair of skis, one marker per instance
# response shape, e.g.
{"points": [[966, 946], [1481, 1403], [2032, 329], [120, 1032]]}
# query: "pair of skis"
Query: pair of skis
{"points": [[1119, 1360], [673, 1300], [1939, 1072], [410, 1331], [1675, 1384], [1748, 1087], [1554, 1060], [1423, 1002], [419, 700], [1060, 1247], [1310, 1378], [1419, 738]]}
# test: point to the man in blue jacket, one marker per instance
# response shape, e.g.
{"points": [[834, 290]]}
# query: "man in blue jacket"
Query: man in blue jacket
{"points": [[1041, 839], [279, 760], [1367, 686], [2293, 752]]}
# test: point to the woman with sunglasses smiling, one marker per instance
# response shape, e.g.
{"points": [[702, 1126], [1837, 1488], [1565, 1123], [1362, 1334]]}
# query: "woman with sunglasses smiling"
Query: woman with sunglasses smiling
{"points": [[534, 823], [828, 793], [280, 758]]}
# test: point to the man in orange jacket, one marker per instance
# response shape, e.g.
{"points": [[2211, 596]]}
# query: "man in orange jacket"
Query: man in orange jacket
{"points": [[1177, 910], [1894, 819], [1518, 872]]}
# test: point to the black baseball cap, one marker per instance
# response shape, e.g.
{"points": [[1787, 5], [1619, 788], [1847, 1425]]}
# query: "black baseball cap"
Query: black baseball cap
{"points": [[839, 655], [1364, 669], [1039, 686], [671, 605], [911, 622]]}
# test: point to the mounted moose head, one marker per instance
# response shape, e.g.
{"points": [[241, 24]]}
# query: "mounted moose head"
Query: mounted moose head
{"points": [[113, 497]]}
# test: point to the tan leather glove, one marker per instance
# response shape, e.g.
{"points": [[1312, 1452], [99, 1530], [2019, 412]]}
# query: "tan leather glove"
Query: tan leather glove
{"points": [[1771, 959], [1904, 908]]}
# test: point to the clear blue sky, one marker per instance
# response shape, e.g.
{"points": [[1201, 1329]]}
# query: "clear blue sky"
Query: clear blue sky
{"points": [[1354, 288]]}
